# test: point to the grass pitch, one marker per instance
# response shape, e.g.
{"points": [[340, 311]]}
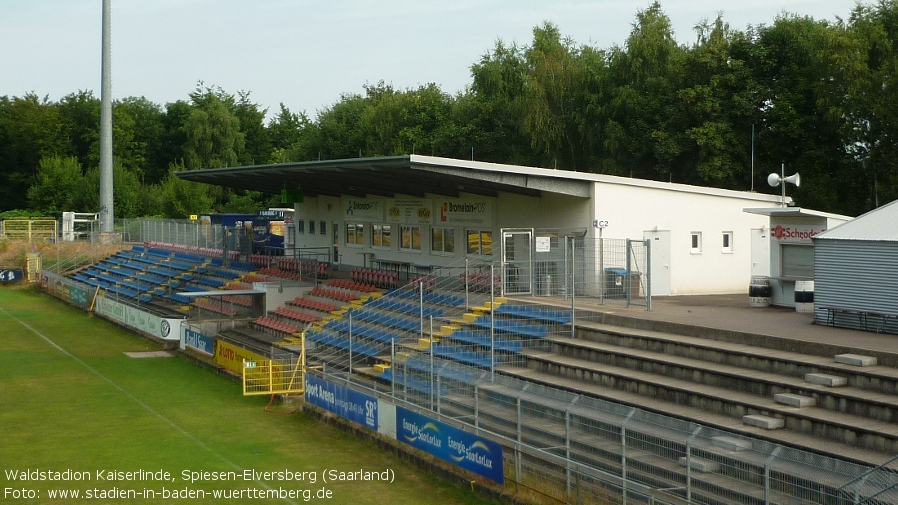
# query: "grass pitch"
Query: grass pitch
{"points": [[72, 401]]}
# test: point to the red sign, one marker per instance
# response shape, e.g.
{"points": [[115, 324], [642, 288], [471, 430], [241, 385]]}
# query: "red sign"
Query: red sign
{"points": [[796, 233]]}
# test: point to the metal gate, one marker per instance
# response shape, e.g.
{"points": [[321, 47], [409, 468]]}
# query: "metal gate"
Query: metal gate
{"points": [[517, 258]]}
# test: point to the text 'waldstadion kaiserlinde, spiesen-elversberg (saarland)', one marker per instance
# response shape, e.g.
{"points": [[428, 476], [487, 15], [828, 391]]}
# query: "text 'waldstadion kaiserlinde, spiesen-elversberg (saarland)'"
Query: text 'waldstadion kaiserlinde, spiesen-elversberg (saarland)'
{"points": [[36, 483]]}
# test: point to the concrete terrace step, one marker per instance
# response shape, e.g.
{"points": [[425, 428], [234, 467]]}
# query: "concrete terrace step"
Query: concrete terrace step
{"points": [[865, 403], [874, 377], [805, 441]]}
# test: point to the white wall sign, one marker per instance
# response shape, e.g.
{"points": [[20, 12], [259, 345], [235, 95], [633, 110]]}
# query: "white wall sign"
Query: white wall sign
{"points": [[363, 209], [410, 211], [465, 211], [543, 244]]}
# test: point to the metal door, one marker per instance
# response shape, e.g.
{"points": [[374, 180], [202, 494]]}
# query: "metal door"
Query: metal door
{"points": [[660, 257], [517, 260]]}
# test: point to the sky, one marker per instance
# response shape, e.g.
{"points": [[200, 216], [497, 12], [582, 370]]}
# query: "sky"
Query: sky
{"points": [[306, 54]]}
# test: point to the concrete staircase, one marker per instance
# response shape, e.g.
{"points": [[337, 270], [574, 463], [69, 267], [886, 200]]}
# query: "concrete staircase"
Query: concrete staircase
{"points": [[844, 405]]}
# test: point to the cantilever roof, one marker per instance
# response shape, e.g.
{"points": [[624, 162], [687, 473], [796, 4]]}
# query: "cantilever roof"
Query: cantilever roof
{"points": [[415, 175], [879, 224]]}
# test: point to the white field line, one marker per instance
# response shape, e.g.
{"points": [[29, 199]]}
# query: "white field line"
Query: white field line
{"points": [[182, 431]]}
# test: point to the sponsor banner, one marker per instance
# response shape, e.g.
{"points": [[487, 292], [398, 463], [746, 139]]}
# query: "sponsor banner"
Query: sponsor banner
{"points": [[9, 276], [198, 342], [363, 209], [410, 211], [166, 329], [465, 211], [346, 403], [802, 234], [473, 453], [230, 357], [79, 296]]}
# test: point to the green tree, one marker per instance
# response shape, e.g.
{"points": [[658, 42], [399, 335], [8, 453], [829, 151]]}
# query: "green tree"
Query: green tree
{"points": [[59, 186], [214, 139], [180, 199]]}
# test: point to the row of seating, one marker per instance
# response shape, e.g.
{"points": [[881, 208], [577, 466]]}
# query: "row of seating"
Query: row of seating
{"points": [[381, 278], [511, 326], [334, 294], [276, 325], [390, 303], [352, 285], [206, 252], [483, 340], [340, 342], [310, 303], [380, 318], [369, 332], [433, 298], [304, 317], [276, 272], [479, 281], [535, 313], [467, 357]]}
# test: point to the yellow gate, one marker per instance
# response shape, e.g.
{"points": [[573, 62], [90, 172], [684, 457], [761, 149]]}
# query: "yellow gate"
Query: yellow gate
{"points": [[275, 376]]}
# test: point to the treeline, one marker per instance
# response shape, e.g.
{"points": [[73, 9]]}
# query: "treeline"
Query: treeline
{"points": [[818, 96]]}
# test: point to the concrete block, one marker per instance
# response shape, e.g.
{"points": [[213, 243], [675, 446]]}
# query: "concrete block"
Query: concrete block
{"points": [[794, 400], [731, 443], [701, 465], [765, 422], [855, 359], [823, 379]]}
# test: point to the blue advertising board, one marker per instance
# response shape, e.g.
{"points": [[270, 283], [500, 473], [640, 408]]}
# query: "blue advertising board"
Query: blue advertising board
{"points": [[473, 453], [346, 403], [11, 275], [199, 342]]}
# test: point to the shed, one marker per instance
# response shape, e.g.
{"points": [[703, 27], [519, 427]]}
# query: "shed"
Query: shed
{"points": [[856, 272]]}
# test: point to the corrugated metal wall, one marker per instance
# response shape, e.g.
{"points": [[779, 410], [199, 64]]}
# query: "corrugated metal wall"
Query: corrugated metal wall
{"points": [[860, 276]]}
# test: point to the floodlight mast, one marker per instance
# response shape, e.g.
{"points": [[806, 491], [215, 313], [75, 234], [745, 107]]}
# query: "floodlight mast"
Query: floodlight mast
{"points": [[107, 210]]}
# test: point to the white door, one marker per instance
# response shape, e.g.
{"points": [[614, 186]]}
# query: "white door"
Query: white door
{"points": [[760, 251], [660, 261]]}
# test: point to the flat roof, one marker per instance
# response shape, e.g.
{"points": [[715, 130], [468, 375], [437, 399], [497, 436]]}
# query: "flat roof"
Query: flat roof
{"points": [[416, 175], [795, 212], [221, 292]]}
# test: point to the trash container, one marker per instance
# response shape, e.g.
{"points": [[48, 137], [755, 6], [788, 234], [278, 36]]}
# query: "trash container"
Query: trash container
{"points": [[804, 296], [759, 291], [618, 282]]}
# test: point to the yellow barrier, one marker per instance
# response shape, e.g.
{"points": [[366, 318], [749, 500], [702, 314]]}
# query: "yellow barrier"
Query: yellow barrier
{"points": [[275, 376], [30, 230]]}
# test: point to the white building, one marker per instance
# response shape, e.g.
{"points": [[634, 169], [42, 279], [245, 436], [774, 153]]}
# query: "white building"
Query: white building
{"points": [[419, 212]]}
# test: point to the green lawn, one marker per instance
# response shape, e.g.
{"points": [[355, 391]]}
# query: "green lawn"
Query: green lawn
{"points": [[71, 400]]}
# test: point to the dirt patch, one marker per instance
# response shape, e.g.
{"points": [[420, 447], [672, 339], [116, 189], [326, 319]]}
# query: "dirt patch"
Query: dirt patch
{"points": [[14, 253], [150, 354]]}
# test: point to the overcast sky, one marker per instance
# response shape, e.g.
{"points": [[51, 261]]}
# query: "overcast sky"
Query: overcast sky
{"points": [[307, 53]]}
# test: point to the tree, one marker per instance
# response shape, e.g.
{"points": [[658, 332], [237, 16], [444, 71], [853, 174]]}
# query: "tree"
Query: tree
{"points": [[214, 139], [180, 199], [59, 187]]}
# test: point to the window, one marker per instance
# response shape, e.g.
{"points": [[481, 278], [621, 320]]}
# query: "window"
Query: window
{"points": [[442, 240], [355, 233], [480, 242], [380, 235], [336, 233], [409, 238], [300, 226], [727, 245], [695, 246], [311, 227], [323, 227]]}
